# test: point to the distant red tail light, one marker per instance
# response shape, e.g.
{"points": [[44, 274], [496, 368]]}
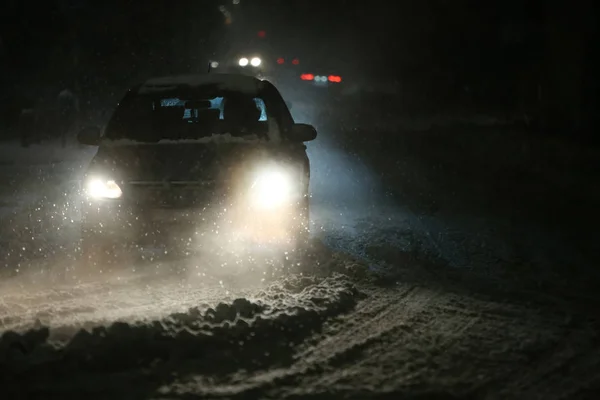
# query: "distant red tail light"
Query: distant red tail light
{"points": [[334, 78], [295, 61], [307, 77], [280, 60]]}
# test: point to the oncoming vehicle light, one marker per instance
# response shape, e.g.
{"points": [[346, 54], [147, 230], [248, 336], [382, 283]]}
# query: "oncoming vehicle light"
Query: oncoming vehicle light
{"points": [[255, 62], [103, 189], [271, 188], [243, 62]]}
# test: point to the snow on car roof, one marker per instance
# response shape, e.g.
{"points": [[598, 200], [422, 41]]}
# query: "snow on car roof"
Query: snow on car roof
{"points": [[214, 138], [238, 83]]}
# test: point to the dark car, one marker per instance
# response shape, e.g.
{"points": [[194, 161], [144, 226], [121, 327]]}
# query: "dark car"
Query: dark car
{"points": [[184, 158]]}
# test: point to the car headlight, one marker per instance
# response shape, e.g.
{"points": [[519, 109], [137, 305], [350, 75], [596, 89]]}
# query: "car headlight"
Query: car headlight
{"points": [[103, 189], [271, 189], [243, 62], [255, 62]]}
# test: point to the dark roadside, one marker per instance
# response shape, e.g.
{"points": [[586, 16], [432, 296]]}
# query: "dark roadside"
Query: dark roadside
{"points": [[503, 205], [38, 212]]}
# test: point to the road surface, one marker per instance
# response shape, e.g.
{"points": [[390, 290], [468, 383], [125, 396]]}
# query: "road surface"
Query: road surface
{"points": [[403, 301]]}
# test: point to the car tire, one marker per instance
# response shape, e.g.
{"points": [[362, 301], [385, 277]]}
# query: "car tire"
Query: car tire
{"points": [[302, 235], [294, 261]]}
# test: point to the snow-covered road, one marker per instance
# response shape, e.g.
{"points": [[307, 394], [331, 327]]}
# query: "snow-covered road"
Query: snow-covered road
{"points": [[391, 311]]}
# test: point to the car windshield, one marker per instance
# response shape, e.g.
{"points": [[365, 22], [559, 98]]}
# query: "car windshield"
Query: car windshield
{"points": [[188, 116]]}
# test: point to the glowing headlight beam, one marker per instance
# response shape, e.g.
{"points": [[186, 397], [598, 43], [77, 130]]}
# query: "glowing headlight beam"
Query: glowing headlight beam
{"points": [[271, 189], [103, 189], [255, 62], [243, 62]]}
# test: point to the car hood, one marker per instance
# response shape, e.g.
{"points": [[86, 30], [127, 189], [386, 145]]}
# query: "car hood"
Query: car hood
{"points": [[178, 162]]}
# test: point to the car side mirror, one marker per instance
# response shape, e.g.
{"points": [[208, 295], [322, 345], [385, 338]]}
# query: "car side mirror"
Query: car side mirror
{"points": [[303, 133], [89, 135]]}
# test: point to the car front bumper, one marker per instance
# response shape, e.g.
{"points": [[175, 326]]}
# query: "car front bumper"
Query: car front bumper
{"points": [[117, 221]]}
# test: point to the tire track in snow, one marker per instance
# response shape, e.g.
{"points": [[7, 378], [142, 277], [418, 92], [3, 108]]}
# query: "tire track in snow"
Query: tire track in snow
{"points": [[564, 371], [414, 339]]}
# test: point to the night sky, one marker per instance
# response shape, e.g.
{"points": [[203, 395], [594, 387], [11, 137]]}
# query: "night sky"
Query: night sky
{"points": [[499, 52]]}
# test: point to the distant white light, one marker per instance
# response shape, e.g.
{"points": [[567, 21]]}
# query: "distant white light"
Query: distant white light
{"points": [[236, 1], [243, 62], [255, 61], [214, 64]]}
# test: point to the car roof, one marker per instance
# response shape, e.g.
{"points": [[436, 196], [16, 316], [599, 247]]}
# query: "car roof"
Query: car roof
{"points": [[230, 82]]}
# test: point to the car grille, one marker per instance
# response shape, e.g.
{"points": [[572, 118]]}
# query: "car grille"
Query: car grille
{"points": [[174, 194]]}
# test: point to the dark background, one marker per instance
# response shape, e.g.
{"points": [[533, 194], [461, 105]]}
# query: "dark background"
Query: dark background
{"points": [[528, 58]]}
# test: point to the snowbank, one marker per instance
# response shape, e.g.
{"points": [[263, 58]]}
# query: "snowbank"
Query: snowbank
{"points": [[246, 334]]}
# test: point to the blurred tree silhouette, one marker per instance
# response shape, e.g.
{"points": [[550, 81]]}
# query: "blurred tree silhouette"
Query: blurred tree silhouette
{"points": [[568, 54]]}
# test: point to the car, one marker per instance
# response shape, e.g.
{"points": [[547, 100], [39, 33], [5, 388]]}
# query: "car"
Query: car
{"points": [[250, 66], [190, 157]]}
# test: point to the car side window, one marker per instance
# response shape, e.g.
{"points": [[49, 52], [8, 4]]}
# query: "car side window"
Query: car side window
{"points": [[281, 118], [260, 104]]}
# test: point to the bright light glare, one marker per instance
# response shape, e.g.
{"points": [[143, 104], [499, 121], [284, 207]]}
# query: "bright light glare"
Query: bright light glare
{"points": [[243, 62], [103, 189], [271, 189], [255, 62], [214, 64]]}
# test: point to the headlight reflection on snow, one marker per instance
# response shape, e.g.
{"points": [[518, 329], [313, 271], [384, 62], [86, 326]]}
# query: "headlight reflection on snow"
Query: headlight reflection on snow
{"points": [[103, 189]]}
